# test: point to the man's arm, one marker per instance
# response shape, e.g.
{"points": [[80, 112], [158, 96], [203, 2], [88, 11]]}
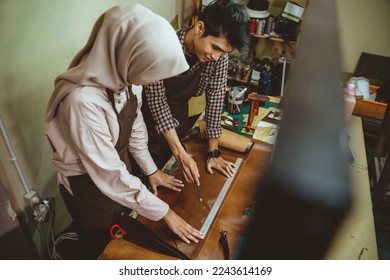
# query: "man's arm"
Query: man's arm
{"points": [[166, 124], [215, 96], [187, 164]]}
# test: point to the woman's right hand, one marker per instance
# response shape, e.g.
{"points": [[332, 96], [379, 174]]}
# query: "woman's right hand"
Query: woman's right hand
{"points": [[181, 228]]}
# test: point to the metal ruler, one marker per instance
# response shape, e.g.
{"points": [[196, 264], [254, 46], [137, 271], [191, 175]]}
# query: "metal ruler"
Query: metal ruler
{"points": [[217, 204]]}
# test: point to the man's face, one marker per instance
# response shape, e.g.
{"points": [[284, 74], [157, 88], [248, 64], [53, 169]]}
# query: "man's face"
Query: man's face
{"points": [[210, 48]]}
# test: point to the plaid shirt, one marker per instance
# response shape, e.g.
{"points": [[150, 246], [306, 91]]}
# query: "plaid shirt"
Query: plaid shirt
{"points": [[213, 83]]}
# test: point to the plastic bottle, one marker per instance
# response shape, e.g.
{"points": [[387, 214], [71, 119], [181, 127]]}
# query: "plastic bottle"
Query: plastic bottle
{"points": [[350, 100], [350, 90]]}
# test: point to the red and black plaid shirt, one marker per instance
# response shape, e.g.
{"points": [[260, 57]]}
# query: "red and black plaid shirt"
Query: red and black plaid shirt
{"points": [[213, 84]]}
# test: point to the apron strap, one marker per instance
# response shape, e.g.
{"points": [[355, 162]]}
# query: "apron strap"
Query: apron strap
{"points": [[110, 94]]}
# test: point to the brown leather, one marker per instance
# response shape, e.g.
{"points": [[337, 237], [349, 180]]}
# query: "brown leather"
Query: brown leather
{"points": [[126, 119], [230, 217], [229, 139], [120, 249]]}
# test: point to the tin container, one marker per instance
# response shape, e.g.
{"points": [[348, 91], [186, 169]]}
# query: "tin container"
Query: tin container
{"points": [[260, 26], [253, 26], [235, 99], [270, 25]]}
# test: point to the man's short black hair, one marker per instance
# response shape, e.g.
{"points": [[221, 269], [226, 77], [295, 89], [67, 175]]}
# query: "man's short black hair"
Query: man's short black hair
{"points": [[227, 18]]}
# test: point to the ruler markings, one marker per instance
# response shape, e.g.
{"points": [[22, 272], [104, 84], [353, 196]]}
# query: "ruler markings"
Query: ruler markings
{"points": [[217, 204]]}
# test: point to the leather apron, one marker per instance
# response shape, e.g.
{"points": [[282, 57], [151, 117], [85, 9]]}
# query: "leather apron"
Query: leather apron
{"points": [[95, 209], [179, 91]]}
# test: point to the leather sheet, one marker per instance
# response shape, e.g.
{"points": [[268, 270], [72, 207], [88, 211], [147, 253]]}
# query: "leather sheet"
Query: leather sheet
{"points": [[230, 216], [120, 249]]}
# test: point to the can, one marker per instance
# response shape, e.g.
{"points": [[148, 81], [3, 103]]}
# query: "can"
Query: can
{"points": [[260, 26], [252, 26], [270, 25]]}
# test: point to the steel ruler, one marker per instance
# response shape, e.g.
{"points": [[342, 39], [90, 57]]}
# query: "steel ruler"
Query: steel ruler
{"points": [[217, 204]]}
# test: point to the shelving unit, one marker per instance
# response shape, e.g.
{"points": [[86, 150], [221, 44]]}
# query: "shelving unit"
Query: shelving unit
{"points": [[269, 47], [269, 44], [272, 39]]}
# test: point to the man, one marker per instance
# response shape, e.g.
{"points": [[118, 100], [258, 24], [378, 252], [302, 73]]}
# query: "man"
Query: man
{"points": [[222, 27]]}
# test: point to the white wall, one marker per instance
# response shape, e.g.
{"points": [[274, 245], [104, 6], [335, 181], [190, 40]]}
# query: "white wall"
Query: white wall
{"points": [[364, 27], [38, 40]]}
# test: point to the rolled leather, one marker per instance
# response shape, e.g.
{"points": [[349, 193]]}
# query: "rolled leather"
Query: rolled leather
{"points": [[229, 139]]}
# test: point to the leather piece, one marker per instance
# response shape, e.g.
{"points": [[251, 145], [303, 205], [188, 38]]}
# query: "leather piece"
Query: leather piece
{"points": [[121, 249], [230, 217], [228, 139], [138, 233]]}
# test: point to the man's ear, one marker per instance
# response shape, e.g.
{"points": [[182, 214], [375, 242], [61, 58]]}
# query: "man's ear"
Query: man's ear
{"points": [[199, 28]]}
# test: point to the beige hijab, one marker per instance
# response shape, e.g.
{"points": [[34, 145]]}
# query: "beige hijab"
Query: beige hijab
{"points": [[129, 44]]}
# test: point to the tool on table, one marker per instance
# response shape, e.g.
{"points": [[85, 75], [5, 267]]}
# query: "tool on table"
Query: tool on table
{"points": [[225, 244], [217, 204], [199, 193], [192, 132], [240, 244], [234, 101], [229, 122], [255, 98]]}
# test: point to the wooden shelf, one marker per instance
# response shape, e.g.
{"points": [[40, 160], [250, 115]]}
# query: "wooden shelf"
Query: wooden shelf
{"points": [[272, 39]]}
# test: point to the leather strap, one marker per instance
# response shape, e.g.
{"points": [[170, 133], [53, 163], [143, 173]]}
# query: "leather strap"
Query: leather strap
{"points": [[225, 244], [141, 235]]}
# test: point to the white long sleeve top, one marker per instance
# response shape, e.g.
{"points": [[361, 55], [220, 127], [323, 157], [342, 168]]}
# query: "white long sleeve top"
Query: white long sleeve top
{"points": [[83, 136]]}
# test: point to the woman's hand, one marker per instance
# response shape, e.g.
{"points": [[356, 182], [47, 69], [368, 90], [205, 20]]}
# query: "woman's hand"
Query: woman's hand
{"points": [[223, 166], [160, 178], [180, 227]]}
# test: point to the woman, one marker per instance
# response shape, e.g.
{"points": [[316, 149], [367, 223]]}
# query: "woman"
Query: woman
{"points": [[94, 121]]}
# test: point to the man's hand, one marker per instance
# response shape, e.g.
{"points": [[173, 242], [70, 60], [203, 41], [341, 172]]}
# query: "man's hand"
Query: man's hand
{"points": [[181, 228], [185, 162], [160, 178], [221, 165], [189, 168]]}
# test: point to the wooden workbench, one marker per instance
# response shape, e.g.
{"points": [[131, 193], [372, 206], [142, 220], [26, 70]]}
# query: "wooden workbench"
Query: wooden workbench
{"points": [[355, 238]]}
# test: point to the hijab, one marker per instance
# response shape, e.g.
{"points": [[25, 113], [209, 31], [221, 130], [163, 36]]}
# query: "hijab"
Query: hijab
{"points": [[129, 44]]}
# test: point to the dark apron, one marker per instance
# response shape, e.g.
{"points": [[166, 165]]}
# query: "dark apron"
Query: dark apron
{"points": [[179, 91], [95, 209]]}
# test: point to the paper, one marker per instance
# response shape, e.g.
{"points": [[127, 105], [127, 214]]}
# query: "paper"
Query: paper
{"points": [[266, 132], [274, 99]]}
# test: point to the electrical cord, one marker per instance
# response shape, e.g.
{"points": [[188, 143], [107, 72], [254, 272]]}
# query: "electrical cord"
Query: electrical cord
{"points": [[65, 236], [50, 234], [52, 250]]}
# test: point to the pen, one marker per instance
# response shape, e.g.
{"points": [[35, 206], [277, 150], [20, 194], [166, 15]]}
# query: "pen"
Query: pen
{"points": [[241, 93], [199, 193]]}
